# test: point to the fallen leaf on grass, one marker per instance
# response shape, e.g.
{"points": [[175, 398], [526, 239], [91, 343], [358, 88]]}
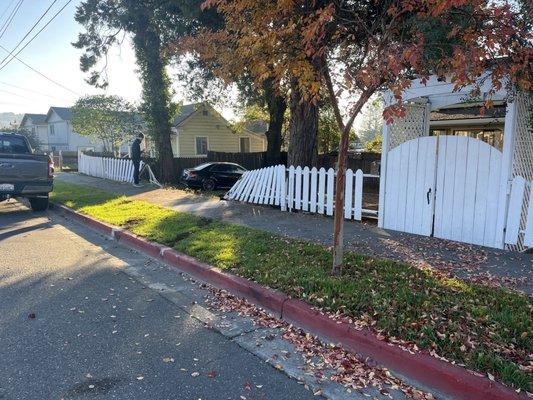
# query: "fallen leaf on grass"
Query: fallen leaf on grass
{"points": [[212, 374], [168, 359]]}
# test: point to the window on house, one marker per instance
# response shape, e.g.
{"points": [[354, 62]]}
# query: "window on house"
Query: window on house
{"points": [[245, 145], [204, 113], [201, 146], [52, 132]]}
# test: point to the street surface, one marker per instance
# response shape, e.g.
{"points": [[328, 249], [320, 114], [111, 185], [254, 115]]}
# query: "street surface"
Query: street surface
{"points": [[84, 318]]}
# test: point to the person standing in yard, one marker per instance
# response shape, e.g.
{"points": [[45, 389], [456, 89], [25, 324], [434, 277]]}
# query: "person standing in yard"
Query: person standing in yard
{"points": [[136, 158]]}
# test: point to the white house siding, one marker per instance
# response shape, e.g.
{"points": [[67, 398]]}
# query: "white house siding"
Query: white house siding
{"points": [[219, 136], [62, 136]]}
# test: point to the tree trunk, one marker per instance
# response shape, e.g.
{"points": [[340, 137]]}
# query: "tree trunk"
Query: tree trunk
{"points": [[156, 96], [303, 149], [338, 215], [276, 110]]}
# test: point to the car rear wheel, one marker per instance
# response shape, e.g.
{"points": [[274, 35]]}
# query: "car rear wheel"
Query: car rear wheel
{"points": [[208, 184], [39, 203]]}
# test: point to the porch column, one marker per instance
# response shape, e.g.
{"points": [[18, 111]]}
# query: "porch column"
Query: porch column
{"points": [[507, 166], [383, 172]]}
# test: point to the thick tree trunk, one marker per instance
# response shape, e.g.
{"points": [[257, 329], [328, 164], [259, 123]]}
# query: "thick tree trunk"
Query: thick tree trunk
{"points": [[276, 110], [303, 150], [156, 94]]}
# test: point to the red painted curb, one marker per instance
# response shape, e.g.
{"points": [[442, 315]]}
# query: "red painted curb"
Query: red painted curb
{"points": [[93, 223], [423, 368], [139, 243], [267, 298], [428, 371]]}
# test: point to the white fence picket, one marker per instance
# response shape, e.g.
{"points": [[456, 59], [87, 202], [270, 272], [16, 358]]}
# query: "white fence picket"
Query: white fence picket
{"points": [[283, 188], [321, 190], [305, 189], [312, 205], [298, 188], [330, 192], [358, 195], [290, 198], [348, 194]]}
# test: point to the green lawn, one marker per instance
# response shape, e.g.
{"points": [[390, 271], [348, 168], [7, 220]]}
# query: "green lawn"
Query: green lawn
{"points": [[487, 329]]}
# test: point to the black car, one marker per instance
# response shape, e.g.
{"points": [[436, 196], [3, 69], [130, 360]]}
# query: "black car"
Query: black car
{"points": [[212, 175]]}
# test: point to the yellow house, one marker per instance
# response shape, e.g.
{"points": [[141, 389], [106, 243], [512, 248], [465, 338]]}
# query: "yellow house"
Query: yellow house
{"points": [[199, 128]]}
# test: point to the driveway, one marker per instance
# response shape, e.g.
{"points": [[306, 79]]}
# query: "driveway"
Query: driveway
{"points": [[83, 318], [480, 264]]}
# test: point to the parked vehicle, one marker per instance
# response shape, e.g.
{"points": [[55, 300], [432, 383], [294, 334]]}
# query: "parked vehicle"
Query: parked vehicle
{"points": [[212, 175], [23, 173]]}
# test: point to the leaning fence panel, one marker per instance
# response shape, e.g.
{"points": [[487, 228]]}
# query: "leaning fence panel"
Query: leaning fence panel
{"points": [[297, 188]]}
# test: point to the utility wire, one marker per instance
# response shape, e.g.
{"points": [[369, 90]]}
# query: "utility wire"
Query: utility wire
{"points": [[31, 29], [34, 36], [29, 90], [10, 18], [40, 73], [7, 8]]}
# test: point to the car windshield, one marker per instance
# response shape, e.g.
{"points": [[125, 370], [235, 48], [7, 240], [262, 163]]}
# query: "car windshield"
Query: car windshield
{"points": [[13, 145]]}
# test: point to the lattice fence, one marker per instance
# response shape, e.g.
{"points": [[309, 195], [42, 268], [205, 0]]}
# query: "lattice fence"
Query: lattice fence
{"points": [[523, 155], [412, 126]]}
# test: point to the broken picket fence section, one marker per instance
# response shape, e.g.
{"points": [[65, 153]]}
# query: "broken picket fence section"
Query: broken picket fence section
{"points": [[305, 189]]}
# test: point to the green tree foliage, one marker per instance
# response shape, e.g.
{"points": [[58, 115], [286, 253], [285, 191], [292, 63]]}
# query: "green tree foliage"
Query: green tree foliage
{"points": [[374, 145], [150, 24], [372, 124], [329, 133], [110, 119]]}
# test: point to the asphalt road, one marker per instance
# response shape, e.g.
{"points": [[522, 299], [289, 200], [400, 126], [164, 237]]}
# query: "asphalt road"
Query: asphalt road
{"points": [[75, 325]]}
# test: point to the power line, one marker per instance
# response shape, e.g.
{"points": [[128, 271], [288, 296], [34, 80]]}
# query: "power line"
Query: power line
{"points": [[40, 73], [14, 94], [29, 90], [10, 18], [36, 34], [31, 29], [7, 8]]}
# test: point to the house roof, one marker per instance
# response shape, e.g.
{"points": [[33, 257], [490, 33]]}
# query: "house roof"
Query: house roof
{"points": [[37, 119], [64, 113], [186, 111], [257, 126], [474, 112]]}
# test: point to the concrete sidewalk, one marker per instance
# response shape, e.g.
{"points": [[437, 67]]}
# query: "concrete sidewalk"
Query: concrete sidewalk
{"points": [[466, 261]]}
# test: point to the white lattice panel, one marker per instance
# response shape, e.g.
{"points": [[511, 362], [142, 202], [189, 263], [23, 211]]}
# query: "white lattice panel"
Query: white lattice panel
{"points": [[523, 153], [412, 126]]}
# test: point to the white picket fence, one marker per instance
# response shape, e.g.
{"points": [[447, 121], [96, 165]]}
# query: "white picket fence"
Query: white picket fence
{"points": [[116, 169], [298, 188], [519, 228]]}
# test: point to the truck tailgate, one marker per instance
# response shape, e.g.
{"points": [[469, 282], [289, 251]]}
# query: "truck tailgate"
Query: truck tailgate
{"points": [[23, 168]]}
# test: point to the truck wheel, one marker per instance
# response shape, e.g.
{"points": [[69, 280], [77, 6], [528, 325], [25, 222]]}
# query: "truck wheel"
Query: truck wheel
{"points": [[39, 203]]}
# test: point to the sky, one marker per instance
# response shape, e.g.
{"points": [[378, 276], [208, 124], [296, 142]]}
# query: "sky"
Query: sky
{"points": [[51, 53]]}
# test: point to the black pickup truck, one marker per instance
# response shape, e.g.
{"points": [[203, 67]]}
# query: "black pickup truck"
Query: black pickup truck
{"points": [[23, 173]]}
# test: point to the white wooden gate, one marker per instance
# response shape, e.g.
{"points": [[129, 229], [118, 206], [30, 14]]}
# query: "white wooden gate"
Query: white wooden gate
{"points": [[468, 188], [446, 186], [410, 186]]}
